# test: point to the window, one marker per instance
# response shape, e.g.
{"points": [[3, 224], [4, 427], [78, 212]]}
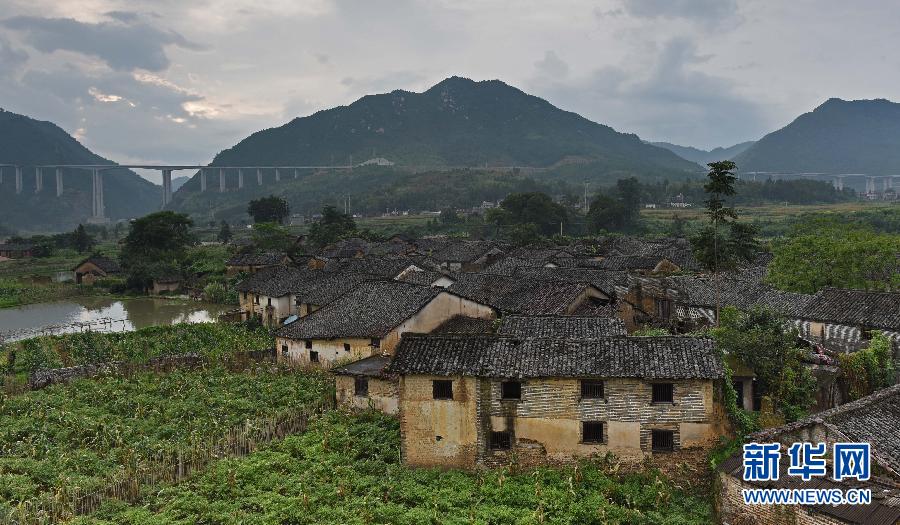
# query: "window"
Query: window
{"points": [[314, 357], [245, 296], [308, 344], [592, 390], [592, 431], [376, 342], [442, 389], [500, 440], [255, 299], [361, 386], [663, 308], [346, 347], [511, 390], [269, 301], [662, 440], [284, 349], [739, 390], [662, 393]]}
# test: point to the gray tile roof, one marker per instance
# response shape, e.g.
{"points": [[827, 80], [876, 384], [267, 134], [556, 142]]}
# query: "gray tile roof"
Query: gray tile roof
{"points": [[630, 262], [384, 266], [460, 324], [371, 309], [855, 308], [369, 367], [518, 294], [257, 259], [463, 251], [322, 288], [275, 281], [104, 263], [560, 326], [423, 278], [504, 357], [610, 282]]}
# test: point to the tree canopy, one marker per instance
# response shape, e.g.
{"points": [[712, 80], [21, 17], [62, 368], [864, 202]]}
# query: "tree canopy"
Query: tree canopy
{"points": [[269, 209], [155, 246], [618, 211], [534, 208], [332, 227]]}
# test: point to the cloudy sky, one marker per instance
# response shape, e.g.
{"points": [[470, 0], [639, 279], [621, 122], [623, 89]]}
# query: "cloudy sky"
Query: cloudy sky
{"points": [[177, 81]]}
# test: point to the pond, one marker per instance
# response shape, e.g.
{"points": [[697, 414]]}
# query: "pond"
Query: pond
{"points": [[102, 314]]}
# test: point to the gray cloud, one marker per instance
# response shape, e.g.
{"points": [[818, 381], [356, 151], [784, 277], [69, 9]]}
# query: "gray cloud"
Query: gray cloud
{"points": [[11, 58], [704, 10], [551, 66], [124, 44]]}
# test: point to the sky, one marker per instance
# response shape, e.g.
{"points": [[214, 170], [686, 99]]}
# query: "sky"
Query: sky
{"points": [[170, 81]]}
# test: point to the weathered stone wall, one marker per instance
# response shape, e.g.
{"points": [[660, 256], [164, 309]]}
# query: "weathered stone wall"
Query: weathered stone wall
{"points": [[384, 395], [733, 511]]}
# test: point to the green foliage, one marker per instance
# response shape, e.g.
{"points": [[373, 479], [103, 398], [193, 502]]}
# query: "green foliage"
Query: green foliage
{"points": [[332, 227], [82, 433], [208, 339], [345, 470], [155, 247], [81, 240], [15, 293], [725, 247], [271, 237], [269, 209], [533, 208], [216, 293], [224, 232], [827, 252], [870, 369], [651, 332], [758, 339], [618, 212]]}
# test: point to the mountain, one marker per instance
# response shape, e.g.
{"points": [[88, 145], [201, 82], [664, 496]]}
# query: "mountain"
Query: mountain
{"points": [[456, 124], [178, 182], [840, 136], [703, 157], [26, 141]]}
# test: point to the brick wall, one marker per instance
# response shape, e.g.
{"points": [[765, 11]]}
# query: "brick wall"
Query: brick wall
{"points": [[383, 394], [733, 511]]}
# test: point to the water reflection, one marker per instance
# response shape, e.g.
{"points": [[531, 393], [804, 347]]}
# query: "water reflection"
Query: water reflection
{"points": [[102, 314]]}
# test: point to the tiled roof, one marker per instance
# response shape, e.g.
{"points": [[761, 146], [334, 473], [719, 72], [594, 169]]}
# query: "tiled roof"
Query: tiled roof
{"points": [[463, 251], [371, 309], [460, 324], [104, 263], [518, 294], [346, 248], [872, 419], [423, 278], [744, 295], [275, 281], [383, 266], [504, 357], [322, 288], [630, 262], [257, 259], [855, 307], [370, 367], [609, 282], [560, 326]]}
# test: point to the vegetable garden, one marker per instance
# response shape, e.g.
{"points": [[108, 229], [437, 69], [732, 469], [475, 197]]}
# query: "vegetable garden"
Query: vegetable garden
{"points": [[82, 436], [346, 470]]}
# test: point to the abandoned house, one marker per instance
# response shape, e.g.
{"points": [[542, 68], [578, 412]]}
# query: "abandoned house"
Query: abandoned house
{"points": [[843, 320], [368, 320], [365, 384], [521, 295], [95, 267], [470, 400], [466, 256], [874, 419], [254, 262]]}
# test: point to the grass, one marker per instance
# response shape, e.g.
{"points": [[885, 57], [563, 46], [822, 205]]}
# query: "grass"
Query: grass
{"points": [[346, 470]]}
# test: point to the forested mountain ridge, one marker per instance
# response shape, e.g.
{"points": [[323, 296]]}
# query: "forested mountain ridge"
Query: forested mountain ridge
{"points": [[457, 122], [839, 136], [26, 141], [703, 157]]}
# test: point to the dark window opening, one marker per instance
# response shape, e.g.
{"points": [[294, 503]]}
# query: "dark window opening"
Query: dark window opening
{"points": [[376, 342], [314, 357], [308, 343], [501, 440], [663, 308], [662, 440], [284, 349], [511, 390], [592, 431], [361, 386], [592, 390], [346, 347], [739, 390], [663, 392], [245, 296], [255, 299], [269, 301], [442, 389], [866, 334]]}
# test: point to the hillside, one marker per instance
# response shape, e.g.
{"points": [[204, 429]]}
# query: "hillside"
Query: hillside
{"points": [[458, 123], [840, 136], [26, 141], [703, 157]]}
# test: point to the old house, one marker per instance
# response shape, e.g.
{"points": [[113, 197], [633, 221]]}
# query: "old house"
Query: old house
{"points": [[468, 401], [520, 295], [95, 267], [843, 320], [874, 419], [254, 262], [644, 264], [416, 275], [560, 326], [369, 320], [365, 384], [16, 250], [166, 285], [466, 256]]}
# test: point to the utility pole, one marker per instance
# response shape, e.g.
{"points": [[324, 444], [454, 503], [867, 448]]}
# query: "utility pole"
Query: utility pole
{"points": [[585, 197]]}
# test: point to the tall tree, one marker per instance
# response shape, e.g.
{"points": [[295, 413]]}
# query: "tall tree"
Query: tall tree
{"points": [[538, 209], [269, 209], [81, 240], [155, 246], [224, 232], [332, 227]]}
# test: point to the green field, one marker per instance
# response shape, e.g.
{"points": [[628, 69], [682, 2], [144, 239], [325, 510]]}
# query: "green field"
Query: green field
{"points": [[80, 436], [346, 470]]}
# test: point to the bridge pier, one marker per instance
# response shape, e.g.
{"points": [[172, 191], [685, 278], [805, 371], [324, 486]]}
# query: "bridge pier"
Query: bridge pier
{"points": [[38, 180], [240, 179], [888, 182], [167, 187], [277, 175], [221, 180], [99, 211], [870, 185], [839, 183], [202, 179], [258, 177], [295, 173], [59, 182], [18, 180]]}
